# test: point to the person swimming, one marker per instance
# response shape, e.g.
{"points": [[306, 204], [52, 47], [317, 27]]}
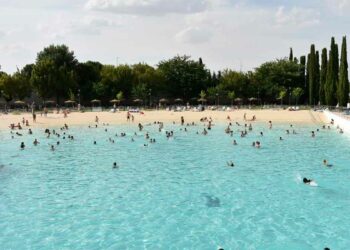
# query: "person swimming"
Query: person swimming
{"points": [[309, 182], [306, 181], [52, 148], [325, 163], [22, 145], [234, 142], [36, 142], [230, 164], [281, 139], [115, 165]]}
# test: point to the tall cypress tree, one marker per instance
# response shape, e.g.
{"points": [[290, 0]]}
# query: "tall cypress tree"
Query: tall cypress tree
{"points": [[312, 74], [343, 85], [317, 78], [291, 55], [302, 79], [307, 88], [323, 75], [332, 77]]}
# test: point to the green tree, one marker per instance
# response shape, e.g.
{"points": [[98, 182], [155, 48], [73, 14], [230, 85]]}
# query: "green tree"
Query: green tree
{"points": [[282, 94], [302, 76], [291, 55], [323, 75], [343, 85], [271, 76], [120, 96], [297, 93], [53, 72], [139, 91], [332, 76], [312, 75], [202, 96], [184, 77], [87, 74], [231, 95], [317, 79]]}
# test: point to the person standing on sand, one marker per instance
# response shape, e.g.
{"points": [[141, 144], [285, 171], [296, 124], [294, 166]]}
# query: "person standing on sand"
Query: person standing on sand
{"points": [[96, 119], [182, 121]]}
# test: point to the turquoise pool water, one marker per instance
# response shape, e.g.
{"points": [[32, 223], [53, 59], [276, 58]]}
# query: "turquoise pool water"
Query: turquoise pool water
{"points": [[177, 193]]}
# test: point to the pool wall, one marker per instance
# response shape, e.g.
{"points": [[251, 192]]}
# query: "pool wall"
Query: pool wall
{"points": [[340, 121]]}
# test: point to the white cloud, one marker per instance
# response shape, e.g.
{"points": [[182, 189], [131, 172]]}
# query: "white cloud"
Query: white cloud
{"points": [[193, 35], [297, 17], [60, 27], [148, 7], [339, 6]]}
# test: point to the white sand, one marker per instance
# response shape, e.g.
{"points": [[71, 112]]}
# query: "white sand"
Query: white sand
{"points": [[75, 118]]}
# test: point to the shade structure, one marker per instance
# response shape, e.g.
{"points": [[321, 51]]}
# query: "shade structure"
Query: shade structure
{"points": [[19, 102], [137, 100], [49, 102], [238, 99], [114, 101], [163, 100], [95, 101], [178, 100], [69, 102], [251, 99], [202, 100]]}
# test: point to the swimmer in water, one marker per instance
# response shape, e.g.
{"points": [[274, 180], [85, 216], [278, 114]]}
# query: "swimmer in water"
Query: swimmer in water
{"points": [[230, 164], [307, 181], [312, 134], [234, 142], [325, 163], [94, 142], [52, 148], [281, 139], [22, 145], [35, 142], [115, 165]]}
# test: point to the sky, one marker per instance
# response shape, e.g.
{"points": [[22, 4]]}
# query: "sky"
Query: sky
{"points": [[235, 34]]}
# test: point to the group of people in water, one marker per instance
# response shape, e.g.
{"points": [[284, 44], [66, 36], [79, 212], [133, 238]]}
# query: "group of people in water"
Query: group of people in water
{"points": [[207, 122]]}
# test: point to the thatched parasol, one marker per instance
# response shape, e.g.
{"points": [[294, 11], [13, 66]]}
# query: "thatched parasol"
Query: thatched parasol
{"points": [[238, 99], [163, 100], [19, 102], [202, 100], [137, 100], [178, 100], [114, 101], [49, 102], [251, 99], [69, 102], [95, 101]]}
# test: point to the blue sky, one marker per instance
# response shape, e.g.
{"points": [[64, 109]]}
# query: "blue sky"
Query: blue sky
{"points": [[237, 34]]}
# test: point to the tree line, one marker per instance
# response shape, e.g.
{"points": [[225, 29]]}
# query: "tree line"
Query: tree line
{"points": [[57, 75]]}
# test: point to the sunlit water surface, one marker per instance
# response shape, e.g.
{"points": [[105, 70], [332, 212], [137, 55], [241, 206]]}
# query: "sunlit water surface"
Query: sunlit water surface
{"points": [[177, 193]]}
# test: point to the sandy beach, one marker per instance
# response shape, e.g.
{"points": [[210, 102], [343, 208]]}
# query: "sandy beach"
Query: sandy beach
{"points": [[76, 118]]}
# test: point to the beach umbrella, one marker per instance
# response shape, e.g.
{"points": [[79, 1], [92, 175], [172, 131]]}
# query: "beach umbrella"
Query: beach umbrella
{"points": [[95, 101], [138, 100], [178, 100], [19, 102], [238, 99], [163, 100], [69, 102], [202, 100], [49, 102], [114, 101], [251, 99]]}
